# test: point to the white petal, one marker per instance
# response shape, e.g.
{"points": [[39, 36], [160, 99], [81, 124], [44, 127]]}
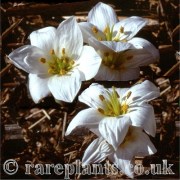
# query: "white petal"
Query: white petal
{"points": [[131, 26], [143, 43], [143, 116], [139, 57], [114, 129], [97, 151], [43, 38], [144, 91], [109, 46], [106, 73], [69, 36], [136, 143], [87, 32], [123, 162], [88, 118], [65, 88], [89, 62], [38, 87], [27, 58], [102, 15], [90, 96]]}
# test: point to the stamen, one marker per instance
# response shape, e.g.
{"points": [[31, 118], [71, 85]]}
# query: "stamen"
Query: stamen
{"points": [[101, 97], [101, 110], [52, 52], [121, 30], [94, 30], [42, 60], [63, 51], [129, 94], [124, 108]]}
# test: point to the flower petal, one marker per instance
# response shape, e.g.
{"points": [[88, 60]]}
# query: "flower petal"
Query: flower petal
{"points": [[131, 26], [27, 58], [87, 31], [90, 96], [102, 15], [143, 43], [137, 58], [123, 162], [143, 116], [38, 87], [114, 129], [109, 46], [144, 91], [106, 73], [43, 38], [89, 62], [88, 118], [69, 36], [97, 151], [65, 87], [136, 143]]}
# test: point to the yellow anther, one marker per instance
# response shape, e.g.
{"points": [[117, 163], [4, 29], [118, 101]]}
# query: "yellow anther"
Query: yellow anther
{"points": [[62, 72], [101, 110], [128, 94], [52, 52], [105, 30], [121, 30], [94, 30], [101, 97], [42, 60], [100, 38], [63, 51], [124, 108]]}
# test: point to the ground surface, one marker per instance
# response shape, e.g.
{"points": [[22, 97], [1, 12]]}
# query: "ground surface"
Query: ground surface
{"points": [[34, 133]]}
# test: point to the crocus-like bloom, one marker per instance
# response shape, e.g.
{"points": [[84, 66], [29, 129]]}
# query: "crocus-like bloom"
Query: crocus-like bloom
{"points": [[121, 60], [134, 143], [57, 61], [113, 111], [109, 109], [103, 24], [109, 37]]}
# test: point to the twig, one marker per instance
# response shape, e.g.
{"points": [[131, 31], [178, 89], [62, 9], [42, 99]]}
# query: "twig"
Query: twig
{"points": [[64, 125], [11, 84], [5, 70], [13, 26], [172, 70], [64, 9]]}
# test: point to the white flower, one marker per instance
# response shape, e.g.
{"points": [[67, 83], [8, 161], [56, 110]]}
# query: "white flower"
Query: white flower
{"points": [[57, 61], [121, 60], [113, 109], [103, 24], [113, 39], [135, 143]]}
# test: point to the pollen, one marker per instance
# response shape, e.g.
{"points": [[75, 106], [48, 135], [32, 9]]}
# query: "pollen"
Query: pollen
{"points": [[121, 30], [128, 94], [42, 60], [101, 97], [62, 65], [52, 52], [63, 51], [111, 104], [94, 30]]}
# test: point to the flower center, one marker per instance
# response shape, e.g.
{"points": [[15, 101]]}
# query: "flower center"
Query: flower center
{"points": [[60, 66], [112, 105], [115, 60], [108, 33]]}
